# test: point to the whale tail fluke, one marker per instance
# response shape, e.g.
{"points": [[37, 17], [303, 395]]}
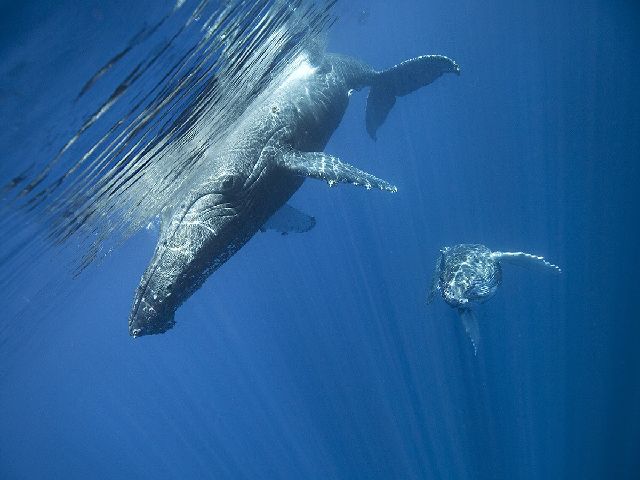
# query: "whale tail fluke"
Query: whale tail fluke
{"points": [[401, 80], [470, 322]]}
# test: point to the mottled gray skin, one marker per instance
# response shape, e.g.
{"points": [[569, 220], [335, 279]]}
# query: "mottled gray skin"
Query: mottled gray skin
{"points": [[466, 274], [250, 177]]}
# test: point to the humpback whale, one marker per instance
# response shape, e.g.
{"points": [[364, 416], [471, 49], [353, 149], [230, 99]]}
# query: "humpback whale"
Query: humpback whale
{"points": [[275, 144], [467, 274]]}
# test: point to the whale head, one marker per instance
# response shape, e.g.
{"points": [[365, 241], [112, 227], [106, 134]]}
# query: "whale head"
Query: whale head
{"points": [[217, 217], [468, 274]]}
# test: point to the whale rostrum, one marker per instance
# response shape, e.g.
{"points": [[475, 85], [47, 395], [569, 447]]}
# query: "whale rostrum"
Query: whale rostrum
{"points": [[272, 147]]}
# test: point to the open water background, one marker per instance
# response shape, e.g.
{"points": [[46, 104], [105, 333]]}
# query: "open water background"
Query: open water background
{"points": [[315, 355]]}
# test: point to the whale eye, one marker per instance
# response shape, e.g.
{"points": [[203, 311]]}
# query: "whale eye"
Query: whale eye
{"points": [[227, 183]]}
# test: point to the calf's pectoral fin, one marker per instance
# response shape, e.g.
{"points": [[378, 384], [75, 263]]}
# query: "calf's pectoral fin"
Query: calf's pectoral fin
{"points": [[526, 260], [289, 220], [330, 169], [435, 281]]}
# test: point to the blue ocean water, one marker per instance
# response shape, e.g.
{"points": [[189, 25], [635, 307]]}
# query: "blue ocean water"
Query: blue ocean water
{"points": [[315, 355]]}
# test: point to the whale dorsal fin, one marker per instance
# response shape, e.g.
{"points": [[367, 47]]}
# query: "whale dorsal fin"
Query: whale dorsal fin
{"points": [[289, 220], [326, 167], [526, 260]]}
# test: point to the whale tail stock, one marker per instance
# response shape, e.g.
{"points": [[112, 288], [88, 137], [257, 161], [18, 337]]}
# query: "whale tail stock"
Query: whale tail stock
{"points": [[401, 80]]}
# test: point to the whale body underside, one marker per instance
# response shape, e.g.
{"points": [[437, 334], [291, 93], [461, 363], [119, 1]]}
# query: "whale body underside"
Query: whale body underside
{"points": [[275, 144]]}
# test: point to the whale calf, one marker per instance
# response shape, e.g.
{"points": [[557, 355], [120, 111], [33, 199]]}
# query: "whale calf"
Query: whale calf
{"points": [[275, 144], [468, 274]]}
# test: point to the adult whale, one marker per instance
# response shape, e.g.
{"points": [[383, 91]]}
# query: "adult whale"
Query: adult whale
{"points": [[272, 148]]}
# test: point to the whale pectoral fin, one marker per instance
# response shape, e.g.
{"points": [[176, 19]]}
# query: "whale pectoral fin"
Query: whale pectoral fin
{"points": [[435, 281], [288, 220], [526, 260], [470, 322], [328, 168]]}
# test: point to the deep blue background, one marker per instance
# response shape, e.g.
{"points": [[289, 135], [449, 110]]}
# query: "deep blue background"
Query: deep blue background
{"points": [[315, 355]]}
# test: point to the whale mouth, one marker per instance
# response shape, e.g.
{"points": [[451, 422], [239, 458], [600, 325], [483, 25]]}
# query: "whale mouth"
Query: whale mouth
{"points": [[151, 328], [141, 332]]}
